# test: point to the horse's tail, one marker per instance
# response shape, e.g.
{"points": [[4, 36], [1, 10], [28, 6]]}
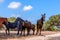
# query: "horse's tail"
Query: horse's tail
{"points": [[37, 24]]}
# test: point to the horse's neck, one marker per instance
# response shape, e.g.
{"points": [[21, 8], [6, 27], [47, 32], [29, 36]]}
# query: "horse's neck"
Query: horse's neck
{"points": [[41, 20]]}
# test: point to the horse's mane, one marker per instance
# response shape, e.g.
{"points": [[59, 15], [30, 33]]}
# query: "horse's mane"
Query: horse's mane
{"points": [[19, 19]]}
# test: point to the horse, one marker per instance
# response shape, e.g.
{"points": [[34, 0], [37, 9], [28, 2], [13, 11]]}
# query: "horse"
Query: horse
{"points": [[32, 28], [28, 26], [40, 24], [25, 25], [16, 24], [2, 19]]}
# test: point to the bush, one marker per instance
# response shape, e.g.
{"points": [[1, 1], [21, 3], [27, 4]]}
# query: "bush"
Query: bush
{"points": [[51, 28]]}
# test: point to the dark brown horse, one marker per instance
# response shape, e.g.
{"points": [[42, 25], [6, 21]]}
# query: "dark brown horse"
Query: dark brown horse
{"points": [[40, 24], [32, 28], [2, 20], [28, 26]]}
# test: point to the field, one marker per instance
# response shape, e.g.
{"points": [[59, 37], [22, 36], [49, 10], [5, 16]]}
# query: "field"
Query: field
{"points": [[13, 36]]}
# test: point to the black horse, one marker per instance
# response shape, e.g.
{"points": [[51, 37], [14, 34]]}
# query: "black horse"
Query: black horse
{"points": [[17, 24], [40, 24], [33, 28]]}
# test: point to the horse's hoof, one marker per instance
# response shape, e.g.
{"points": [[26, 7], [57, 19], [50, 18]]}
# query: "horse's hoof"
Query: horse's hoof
{"points": [[33, 33], [17, 34], [8, 34], [23, 35], [27, 34]]}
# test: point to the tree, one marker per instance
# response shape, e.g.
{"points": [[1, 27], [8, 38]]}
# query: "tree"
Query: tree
{"points": [[49, 24], [11, 19]]}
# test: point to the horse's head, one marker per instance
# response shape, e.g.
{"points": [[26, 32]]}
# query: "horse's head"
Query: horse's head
{"points": [[19, 20], [43, 17], [4, 23], [4, 20]]}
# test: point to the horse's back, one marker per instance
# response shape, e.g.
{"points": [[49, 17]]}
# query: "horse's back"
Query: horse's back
{"points": [[11, 25], [3, 19]]}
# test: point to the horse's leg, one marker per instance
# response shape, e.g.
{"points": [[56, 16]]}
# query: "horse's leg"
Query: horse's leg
{"points": [[24, 31], [18, 32], [21, 31], [6, 31], [33, 31], [40, 32], [28, 31], [18, 29], [37, 31]]}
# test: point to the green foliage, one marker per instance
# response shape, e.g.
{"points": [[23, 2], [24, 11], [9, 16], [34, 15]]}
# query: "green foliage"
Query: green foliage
{"points": [[49, 25], [58, 29], [52, 28], [11, 19]]}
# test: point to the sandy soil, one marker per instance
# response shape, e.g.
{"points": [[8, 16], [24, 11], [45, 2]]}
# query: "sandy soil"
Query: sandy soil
{"points": [[13, 36]]}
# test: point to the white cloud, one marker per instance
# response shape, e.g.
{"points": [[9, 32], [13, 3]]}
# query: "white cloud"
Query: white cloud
{"points": [[15, 15], [29, 7], [14, 5], [1, 1]]}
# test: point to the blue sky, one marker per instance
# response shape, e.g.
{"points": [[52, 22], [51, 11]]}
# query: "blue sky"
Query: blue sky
{"points": [[29, 9]]}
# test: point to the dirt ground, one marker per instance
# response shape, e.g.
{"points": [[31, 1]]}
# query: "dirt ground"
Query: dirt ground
{"points": [[13, 35]]}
